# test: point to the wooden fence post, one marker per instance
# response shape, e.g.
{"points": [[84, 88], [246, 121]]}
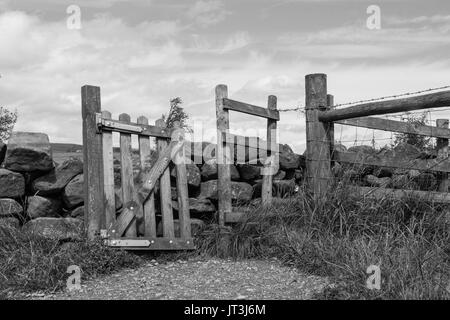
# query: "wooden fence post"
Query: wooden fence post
{"points": [[93, 162], [223, 165], [318, 157], [442, 148], [266, 191]]}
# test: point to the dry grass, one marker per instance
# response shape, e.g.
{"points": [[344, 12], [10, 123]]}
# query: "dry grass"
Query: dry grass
{"points": [[29, 263]]}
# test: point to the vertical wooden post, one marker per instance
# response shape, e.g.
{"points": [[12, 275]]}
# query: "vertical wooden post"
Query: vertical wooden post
{"points": [[442, 149], [108, 175], [330, 104], [149, 205], [223, 170], [266, 191], [93, 162], [165, 191], [318, 158], [182, 187]]}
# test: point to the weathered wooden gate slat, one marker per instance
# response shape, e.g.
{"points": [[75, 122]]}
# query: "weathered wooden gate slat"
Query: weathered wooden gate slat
{"points": [[108, 176], [149, 204], [126, 163], [165, 191]]}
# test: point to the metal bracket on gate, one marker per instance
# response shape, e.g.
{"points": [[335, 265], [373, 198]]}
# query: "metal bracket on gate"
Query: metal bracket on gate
{"points": [[128, 243], [115, 125]]}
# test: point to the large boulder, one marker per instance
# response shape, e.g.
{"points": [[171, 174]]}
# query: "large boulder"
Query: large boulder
{"points": [[38, 207], [77, 213], [200, 205], [29, 151], [280, 188], [62, 229], [426, 181], [10, 208], [55, 181], [193, 175], [249, 172], [209, 171], [73, 195], [362, 149], [12, 184], [373, 181], [2, 152], [9, 222], [240, 191], [339, 147], [289, 159]]}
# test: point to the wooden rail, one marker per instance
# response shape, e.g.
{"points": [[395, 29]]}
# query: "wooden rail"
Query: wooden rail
{"points": [[250, 142], [386, 193], [396, 126], [432, 100], [438, 165], [251, 109]]}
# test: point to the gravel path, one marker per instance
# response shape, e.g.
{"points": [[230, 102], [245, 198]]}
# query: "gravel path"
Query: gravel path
{"points": [[194, 279]]}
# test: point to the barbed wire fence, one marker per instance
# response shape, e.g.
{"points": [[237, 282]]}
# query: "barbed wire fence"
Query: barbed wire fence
{"points": [[385, 136]]}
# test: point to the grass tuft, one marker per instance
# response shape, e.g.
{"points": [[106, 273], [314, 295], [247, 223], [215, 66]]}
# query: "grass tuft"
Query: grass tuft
{"points": [[31, 263]]}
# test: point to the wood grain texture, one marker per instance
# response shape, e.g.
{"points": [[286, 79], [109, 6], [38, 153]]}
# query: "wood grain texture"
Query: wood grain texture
{"points": [[108, 176], [182, 189], [93, 162], [150, 178], [432, 100], [149, 204], [223, 161], [442, 149], [318, 144], [126, 163], [397, 126], [165, 191], [250, 109], [266, 190], [438, 165]]}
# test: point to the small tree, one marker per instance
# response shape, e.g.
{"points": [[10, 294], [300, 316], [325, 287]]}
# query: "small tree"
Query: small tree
{"points": [[176, 113], [421, 142], [7, 121]]}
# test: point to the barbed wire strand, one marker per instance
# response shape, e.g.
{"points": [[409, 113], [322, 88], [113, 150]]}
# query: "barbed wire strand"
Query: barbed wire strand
{"points": [[301, 108]]}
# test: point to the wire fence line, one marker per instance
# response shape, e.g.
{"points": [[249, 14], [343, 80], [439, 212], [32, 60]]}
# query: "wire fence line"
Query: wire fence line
{"points": [[301, 108]]}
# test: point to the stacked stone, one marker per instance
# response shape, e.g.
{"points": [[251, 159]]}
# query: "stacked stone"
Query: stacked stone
{"points": [[36, 195]]}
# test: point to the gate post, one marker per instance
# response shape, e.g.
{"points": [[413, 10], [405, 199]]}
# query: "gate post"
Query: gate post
{"points": [[318, 142], [92, 162], [223, 154], [442, 149]]}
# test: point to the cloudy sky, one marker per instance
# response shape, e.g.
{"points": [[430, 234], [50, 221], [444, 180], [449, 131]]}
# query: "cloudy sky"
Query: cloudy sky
{"points": [[144, 52]]}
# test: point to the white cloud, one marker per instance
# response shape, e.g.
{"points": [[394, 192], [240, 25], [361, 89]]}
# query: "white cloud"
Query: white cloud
{"points": [[207, 12]]}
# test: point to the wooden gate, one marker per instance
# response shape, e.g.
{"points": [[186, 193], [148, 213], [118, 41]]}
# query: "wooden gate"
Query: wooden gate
{"points": [[225, 140], [320, 120], [135, 227]]}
